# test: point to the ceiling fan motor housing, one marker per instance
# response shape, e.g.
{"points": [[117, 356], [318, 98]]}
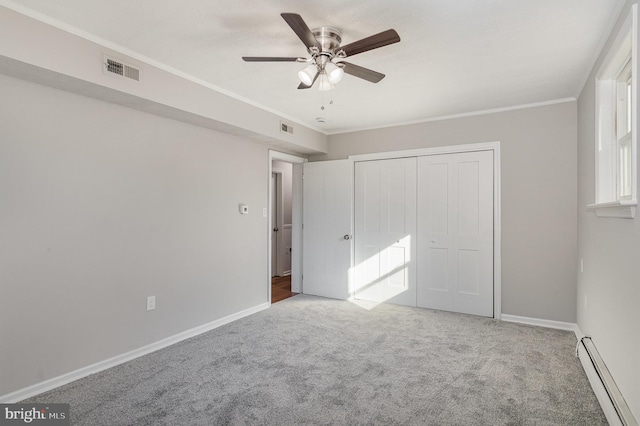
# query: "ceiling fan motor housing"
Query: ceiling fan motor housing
{"points": [[329, 38]]}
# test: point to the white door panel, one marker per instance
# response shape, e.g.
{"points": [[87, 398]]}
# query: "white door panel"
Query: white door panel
{"points": [[385, 224], [455, 232], [274, 224], [327, 216]]}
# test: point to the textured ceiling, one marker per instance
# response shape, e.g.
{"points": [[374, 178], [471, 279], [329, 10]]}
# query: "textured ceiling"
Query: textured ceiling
{"points": [[455, 57]]}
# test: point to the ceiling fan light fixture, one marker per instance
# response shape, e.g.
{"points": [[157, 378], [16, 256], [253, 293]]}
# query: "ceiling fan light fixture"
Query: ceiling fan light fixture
{"points": [[334, 72], [307, 74], [325, 84]]}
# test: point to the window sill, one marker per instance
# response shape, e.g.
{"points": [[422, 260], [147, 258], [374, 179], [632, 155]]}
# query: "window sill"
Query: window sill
{"points": [[624, 209]]}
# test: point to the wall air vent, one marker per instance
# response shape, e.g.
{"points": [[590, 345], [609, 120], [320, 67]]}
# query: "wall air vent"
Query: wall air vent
{"points": [[115, 67], [286, 128]]}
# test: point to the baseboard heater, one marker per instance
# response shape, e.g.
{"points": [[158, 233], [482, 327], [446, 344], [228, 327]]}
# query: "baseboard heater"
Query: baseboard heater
{"points": [[613, 404]]}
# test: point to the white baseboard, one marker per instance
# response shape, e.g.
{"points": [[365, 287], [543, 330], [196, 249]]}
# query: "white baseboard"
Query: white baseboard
{"points": [[55, 382], [559, 325]]}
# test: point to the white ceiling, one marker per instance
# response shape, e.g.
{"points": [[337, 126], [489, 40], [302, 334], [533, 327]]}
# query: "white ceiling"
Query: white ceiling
{"points": [[455, 57]]}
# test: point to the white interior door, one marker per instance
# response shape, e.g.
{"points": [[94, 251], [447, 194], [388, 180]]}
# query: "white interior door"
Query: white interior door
{"points": [[327, 218], [385, 229], [455, 232], [274, 225]]}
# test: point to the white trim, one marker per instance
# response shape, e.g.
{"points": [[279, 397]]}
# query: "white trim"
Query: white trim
{"points": [[453, 116], [61, 380], [497, 199], [558, 325], [603, 42], [452, 149], [621, 209], [287, 158], [497, 231]]}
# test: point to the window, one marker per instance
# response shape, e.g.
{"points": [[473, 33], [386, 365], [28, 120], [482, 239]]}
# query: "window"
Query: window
{"points": [[623, 132], [616, 100]]}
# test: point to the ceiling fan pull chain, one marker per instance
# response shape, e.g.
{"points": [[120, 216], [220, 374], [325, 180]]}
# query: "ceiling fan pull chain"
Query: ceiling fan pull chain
{"points": [[322, 94]]}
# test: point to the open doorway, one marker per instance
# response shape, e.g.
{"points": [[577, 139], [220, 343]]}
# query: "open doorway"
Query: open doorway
{"points": [[281, 220], [281, 229], [285, 226]]}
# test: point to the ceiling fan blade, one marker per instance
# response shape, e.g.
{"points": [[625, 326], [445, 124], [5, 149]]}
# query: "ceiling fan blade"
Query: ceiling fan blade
{"points": [[271, 59], [304, 86], [301, 29], [372, 42], [361, 72]]}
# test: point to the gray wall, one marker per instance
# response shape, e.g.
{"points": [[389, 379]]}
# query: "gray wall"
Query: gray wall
{"points": [[610, 249], [538, 155], [101, 206]]}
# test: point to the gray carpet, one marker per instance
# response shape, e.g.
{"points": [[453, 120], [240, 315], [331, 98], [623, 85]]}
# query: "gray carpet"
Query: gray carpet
{"points": [[310, 360]]}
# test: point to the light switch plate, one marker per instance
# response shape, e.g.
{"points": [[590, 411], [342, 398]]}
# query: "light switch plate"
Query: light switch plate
{"points": [[151, 303]]}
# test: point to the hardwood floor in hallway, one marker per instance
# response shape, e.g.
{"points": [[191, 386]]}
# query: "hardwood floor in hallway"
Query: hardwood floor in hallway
{"points": [[281, 288]]}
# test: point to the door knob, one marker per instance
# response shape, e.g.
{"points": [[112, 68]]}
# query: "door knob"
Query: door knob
{"points": [[275, 229], [347, 237]]}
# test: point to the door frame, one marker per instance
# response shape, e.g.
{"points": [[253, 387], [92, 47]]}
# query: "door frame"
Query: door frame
{"points": [[497, 204], [296, 219]]}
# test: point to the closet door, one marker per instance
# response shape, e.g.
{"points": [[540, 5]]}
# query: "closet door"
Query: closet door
{"points": [[385, 228], [455, 232]]}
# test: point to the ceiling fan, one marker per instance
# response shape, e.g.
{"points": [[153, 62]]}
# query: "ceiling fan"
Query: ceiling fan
{"points": [[327, 56]]}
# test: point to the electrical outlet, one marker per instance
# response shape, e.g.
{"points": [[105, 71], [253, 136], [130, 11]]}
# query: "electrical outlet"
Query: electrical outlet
{"points": [[151, 303]]}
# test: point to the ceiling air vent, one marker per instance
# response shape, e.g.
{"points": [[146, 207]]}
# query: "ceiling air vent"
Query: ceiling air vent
{"points": [[286, 128], [112, 66]]}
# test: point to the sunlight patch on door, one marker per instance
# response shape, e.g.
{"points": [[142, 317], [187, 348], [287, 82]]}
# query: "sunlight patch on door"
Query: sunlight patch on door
{"points": [[383, 274]]}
